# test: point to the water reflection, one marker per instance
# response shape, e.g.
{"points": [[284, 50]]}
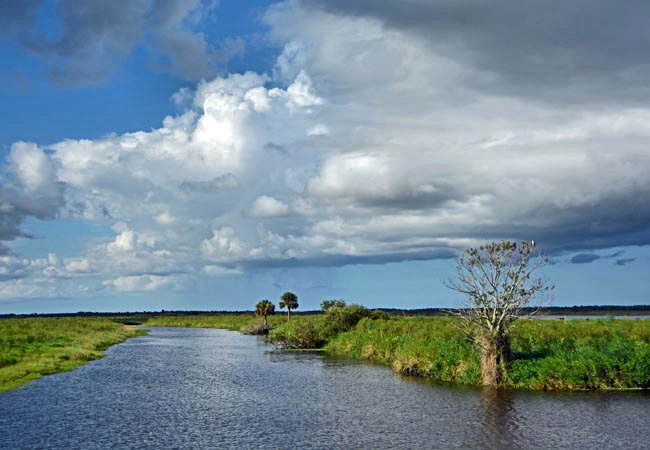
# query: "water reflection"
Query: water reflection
{"points": [[498, 419]]}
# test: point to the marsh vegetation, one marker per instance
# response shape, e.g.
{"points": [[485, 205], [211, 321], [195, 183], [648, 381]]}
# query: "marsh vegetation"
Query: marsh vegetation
{"points": [[551, 354], [31, 348], [545, 354]]}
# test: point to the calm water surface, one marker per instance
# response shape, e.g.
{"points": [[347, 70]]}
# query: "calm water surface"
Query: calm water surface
{"points": [[201, 388]]}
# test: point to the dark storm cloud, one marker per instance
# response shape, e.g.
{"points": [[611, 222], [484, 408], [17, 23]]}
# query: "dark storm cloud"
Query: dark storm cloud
{"points": [[584, 258], [624, 261], [92, 37], [16, 206], [568, 52], [421, 254]]}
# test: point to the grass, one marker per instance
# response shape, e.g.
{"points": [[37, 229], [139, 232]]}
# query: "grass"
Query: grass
{"points": [[235, 322], [314, 331], [33, 347], [547, 354]]}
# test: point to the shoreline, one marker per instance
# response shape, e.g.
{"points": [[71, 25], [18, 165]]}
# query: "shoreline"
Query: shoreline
{"points": [[555, 355], [549, 355], [33, 348]]}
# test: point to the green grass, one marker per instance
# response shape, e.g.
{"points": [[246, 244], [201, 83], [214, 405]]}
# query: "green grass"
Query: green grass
{"points": [[234, 322], [580, 354], [547, 354], [34, 347], [314, 331]]}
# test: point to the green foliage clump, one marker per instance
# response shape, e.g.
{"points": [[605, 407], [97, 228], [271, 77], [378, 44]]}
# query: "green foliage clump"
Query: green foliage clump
{"points": [[302, 332], [264, 308], [327, 304], [315, 331], [289, 300], [31, 348]]}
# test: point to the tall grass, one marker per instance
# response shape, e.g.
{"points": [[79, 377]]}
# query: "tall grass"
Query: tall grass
{"points": [[314, 331], [547, 354], [578, 354], [235, 322], [33, 347], [431, 347]]}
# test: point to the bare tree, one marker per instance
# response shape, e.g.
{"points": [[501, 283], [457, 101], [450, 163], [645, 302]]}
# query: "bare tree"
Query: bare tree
{"points": [[496, 281]]}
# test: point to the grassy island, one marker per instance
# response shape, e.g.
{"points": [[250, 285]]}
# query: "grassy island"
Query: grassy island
{"points": [[33, 347]]}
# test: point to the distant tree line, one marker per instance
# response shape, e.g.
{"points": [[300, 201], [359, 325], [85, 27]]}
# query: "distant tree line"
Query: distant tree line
{"points": [[549, 310]]}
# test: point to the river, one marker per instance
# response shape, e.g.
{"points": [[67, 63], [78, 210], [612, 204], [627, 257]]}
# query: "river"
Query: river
{"points": [[205, 388]]}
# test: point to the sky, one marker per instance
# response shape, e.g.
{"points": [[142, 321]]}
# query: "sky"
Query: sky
{"points": [[203, 155]]}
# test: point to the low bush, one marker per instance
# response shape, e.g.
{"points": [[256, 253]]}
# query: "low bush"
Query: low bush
{"points": [[315, 331]]}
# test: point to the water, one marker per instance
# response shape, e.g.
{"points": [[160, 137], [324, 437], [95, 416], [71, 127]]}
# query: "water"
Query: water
{"points": [[590, 317], [200, 388]]}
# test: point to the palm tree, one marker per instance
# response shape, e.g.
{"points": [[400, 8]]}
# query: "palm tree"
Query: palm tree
{"points": [[289, 300], [265, 308]]}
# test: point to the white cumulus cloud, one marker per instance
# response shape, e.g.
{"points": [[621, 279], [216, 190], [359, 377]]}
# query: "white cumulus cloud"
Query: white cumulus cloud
{"points": [[265, 206], [367, 143]]}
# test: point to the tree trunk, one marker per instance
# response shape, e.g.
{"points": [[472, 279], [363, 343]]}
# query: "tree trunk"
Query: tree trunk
{"points": [[266, 323], [495, 354], [288, 314]]}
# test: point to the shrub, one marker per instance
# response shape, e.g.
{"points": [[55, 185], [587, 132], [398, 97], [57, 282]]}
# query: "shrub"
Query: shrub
{"points": [[315, 331], [327, 304], [298, 334]]}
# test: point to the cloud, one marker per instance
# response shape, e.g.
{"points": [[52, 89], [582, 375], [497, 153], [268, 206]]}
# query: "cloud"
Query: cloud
{"points": [[92, 38], [224, 245], [215, 270], [220, 183], [139, 283], [33, 170], [77, 265], [624, 261], [32, 189], [578, 52], [265, 206], [366, 144], [584, 258]]}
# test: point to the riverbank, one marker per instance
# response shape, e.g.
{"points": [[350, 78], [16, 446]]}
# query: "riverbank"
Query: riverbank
{"points": [[34, 347], [603, 354]]}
